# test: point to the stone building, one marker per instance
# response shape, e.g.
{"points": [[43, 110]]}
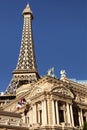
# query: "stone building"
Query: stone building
{"points": [[46, 102]]}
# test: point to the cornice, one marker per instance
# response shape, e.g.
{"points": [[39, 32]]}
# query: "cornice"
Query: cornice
{"points": [[11, 114]]}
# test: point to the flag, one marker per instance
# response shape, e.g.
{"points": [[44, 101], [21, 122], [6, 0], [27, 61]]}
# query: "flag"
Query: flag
{"points": [[21, 102], [19, 105]]}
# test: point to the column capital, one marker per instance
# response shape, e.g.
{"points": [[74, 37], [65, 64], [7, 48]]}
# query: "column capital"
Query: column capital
{"points": [[48, 96]]}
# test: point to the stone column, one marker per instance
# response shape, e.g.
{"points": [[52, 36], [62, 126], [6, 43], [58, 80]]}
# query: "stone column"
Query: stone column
{"points": [[86, 116], [34, 114], [57, 112], [68, 115], [44, 113], [65, 114], [38, 113], [81, 117], [49, 110], [53, 111], [71, 112]]}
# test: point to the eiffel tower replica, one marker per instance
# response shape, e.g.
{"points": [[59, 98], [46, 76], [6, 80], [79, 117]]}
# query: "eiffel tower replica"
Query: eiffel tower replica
{"points": [[26, 69]]}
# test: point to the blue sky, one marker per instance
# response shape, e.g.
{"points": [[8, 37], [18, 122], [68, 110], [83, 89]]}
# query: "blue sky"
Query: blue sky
{"points": [[60, 37]]}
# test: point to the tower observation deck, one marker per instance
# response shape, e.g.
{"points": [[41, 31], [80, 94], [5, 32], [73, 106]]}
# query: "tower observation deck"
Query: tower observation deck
{"points": [[26, 69]]}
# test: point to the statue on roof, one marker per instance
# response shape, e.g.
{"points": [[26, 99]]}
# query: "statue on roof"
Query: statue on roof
{"points": [[63, 74], [51, 72]]}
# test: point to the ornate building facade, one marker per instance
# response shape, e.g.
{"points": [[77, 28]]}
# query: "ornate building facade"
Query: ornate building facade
{"points": [[45, 102]]}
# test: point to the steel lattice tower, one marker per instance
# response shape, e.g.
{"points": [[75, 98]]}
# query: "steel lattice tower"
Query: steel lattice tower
{"points": [[26, 69]]}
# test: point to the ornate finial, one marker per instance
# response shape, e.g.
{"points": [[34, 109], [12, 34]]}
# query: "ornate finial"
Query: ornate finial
{"points": [[27, 10], [51, 72], [27, 5], [63, 74]]}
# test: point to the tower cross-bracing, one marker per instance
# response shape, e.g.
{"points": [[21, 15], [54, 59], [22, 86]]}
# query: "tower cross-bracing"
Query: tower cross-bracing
{"points": [[26, 69]]}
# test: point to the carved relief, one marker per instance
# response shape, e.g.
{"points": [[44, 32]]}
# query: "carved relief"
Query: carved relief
{"points": [[63, 92], [80, 99], [36, 91], [6, 120]]}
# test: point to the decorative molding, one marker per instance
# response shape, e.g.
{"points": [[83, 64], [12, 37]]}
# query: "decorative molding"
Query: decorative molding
{"points": [[61, 91], [80, 99], [37, 91]]}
